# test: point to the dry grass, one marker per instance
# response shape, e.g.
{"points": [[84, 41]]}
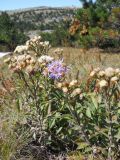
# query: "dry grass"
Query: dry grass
{"points": [[84, 60], [79, 60]]}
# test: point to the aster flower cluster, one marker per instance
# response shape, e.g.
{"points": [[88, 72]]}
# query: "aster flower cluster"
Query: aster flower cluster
{"points": [[106, 78], [56, 69]]}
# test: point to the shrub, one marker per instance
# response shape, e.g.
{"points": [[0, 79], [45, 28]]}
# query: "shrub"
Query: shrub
{"points": [[10, 34], [64, 115]]}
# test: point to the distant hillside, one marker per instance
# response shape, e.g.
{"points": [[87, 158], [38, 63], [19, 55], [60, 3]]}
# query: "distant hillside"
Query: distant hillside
{"points": [[41, 18]]}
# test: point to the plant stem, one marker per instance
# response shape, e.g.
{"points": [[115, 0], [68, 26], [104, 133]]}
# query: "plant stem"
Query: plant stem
{"points": [[84, 134], [110, 132]]}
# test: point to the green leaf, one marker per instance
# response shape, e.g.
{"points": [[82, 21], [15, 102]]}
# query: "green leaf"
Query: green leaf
{"points": [[118, 111], [94, 100], [118, 135], [52, 123], [58, 131], [18, 104], [82, 145], [66, 116], [88, 112]]}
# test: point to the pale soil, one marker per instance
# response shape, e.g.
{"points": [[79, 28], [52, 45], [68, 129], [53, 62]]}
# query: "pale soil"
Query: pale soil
{"points": [[2, 54]]}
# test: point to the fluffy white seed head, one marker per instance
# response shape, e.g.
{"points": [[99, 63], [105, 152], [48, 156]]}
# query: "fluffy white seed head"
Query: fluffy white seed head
{"points": [[73, 83], [65, 89], [101, 73], [92, 74], [45, 59], [109, 72], [21, 48], [114, 79], [103, 83], [76, 92]]}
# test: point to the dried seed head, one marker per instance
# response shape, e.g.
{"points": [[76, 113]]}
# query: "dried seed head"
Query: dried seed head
{"points": [[76, 92], [65, 89], [32, 61], [101, 73], [29, 69], [114, 79], [109, 72], [92, 74], [28, 57], [22, 64], [97, 69], [103, 83], [73, 83], [117, 70], [59, 85], [28, 61]]}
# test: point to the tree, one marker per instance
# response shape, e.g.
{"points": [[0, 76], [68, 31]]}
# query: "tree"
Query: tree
{"points": [[108, 4], [10, 35], [86, 3]]}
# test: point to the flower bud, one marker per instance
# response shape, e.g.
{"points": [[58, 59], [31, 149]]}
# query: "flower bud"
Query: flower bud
{"points": [[14, 65], [22, 64], [109, 72], [101, 73], [59, 85], [103, 83], [65, 89], [117, 70], [76, 92], [42, 64], [114, 79], [29, 69], [92, 74], [32, 61], [97, 69], [28, 61], [73, 83], [28, 57]]}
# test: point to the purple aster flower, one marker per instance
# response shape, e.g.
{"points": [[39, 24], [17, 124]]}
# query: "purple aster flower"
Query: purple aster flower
{"points": [[56, 69]]}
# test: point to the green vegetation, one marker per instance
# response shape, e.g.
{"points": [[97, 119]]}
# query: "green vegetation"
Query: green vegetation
{"points": [[99, 24], [95, 25], [44, 113], [55, 104], [59, 36], [42, 18], [10, 34]]}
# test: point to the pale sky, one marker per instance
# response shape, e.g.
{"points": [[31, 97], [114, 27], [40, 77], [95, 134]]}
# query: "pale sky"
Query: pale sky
{"points": [[18, 4]]}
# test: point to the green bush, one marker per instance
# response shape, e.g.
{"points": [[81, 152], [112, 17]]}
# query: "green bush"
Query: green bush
{"points": [[101, 16], [10, 34], [60, 115], [59, 36]]}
